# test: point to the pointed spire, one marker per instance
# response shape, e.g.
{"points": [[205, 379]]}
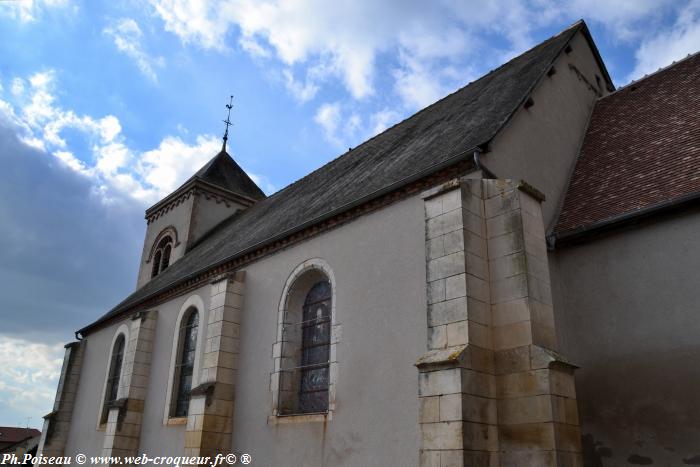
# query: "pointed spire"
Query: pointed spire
{"points": [[229, 106]]}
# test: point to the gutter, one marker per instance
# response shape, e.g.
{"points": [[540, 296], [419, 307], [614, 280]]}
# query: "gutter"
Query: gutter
{"points": [[583, 232]]}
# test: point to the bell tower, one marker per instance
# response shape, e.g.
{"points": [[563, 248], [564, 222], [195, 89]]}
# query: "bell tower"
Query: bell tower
{"points": [[177, 222]]}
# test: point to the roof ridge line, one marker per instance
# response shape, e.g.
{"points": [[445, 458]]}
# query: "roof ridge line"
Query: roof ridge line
{"points": [[424, 109], [652, 74]]}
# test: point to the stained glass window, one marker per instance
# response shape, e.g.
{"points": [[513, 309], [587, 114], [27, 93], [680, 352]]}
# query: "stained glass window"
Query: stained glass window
{"points": [[315, 349], [184, 367], [115, 369]]}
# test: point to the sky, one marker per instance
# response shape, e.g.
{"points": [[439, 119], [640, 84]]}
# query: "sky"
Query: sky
{"points": [[106, 107]]}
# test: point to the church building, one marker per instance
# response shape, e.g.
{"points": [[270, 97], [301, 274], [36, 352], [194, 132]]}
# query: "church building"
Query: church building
{"points": [[509, 277]]}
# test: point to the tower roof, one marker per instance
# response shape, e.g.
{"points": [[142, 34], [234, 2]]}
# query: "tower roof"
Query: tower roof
{"points": [[223, 172]]}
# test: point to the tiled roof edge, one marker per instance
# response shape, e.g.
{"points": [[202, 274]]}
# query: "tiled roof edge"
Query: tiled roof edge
{"points": [[635, 82], [580, 233]]}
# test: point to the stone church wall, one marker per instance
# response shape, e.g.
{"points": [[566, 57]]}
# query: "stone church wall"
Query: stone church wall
{"points": [[627, 314], [378, 264]]}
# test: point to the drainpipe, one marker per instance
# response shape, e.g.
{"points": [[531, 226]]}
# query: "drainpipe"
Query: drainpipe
{"points": [[477, 162], [479, 166]]}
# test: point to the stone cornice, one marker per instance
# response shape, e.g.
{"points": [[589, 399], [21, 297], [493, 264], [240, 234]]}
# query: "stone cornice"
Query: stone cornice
{"points": [[194, 187]]}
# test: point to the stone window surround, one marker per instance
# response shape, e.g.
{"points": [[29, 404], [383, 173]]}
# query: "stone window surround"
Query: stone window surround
{"points": [[274, 419], [193, 301], [167, 231], [121, 330]]}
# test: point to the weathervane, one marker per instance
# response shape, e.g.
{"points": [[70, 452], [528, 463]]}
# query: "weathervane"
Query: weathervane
{"points": [[229, 106]]}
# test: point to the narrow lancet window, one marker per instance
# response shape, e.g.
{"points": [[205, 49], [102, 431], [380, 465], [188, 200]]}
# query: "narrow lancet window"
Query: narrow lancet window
{"points": [[315, 349], [115, 369], [184, 366], [161, 257]]}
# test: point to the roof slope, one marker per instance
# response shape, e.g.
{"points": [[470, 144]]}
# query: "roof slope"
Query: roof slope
{"points": [[642, 149], [13, 434], [223, 172], [443, 133]]}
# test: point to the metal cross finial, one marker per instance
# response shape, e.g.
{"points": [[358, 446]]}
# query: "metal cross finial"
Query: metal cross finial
{"points": [[229, 106]]}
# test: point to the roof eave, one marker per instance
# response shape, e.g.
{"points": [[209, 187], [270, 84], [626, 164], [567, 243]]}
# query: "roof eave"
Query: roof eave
{"points": [[468, 154], [586, 231], [191, 183]]}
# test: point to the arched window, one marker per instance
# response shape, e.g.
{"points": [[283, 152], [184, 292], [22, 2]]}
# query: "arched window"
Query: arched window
{"points": [[304, 361], [161, 257], [115, 369], [156, 263], [184, 364], [315, 349]]}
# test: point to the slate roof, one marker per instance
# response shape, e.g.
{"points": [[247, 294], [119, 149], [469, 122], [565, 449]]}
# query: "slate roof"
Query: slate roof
{"points": [[12, 434], [223, 171], [440, 135], [641, 150]]}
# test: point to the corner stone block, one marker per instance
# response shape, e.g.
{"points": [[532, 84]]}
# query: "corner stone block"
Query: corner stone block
{"points": [[439, 436]]}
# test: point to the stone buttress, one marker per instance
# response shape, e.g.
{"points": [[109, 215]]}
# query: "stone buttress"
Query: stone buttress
{"points": [[57, 423], [210, 414], [126, 412], [492, 389]]}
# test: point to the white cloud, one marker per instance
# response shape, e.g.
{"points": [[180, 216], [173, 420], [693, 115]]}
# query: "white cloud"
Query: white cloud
{"points": [[17, 86], [344, 126], [173, 161], [675, 43], [416, 83], [429, 49], [253, 47], [620, 17], [383, 119], [345, 39], [72, 162], [26, 11], [127, 36], [328, 117], [263, 182], [116, 170], [29, 373], [303, 92], [196, 21]]}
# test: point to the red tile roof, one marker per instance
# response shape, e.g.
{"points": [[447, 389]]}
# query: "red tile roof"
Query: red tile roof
{"points": [[11, 434], [641, 150]]}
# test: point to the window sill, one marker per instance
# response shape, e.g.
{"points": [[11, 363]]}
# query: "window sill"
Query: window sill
{"points": [[300, 418], [172, 421]]}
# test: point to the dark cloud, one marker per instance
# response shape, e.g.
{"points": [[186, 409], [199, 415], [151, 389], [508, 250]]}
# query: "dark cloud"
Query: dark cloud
{"points": [[65, 256]]}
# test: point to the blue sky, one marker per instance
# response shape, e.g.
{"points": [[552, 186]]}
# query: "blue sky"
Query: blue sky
{"points": [[105, 107]]}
